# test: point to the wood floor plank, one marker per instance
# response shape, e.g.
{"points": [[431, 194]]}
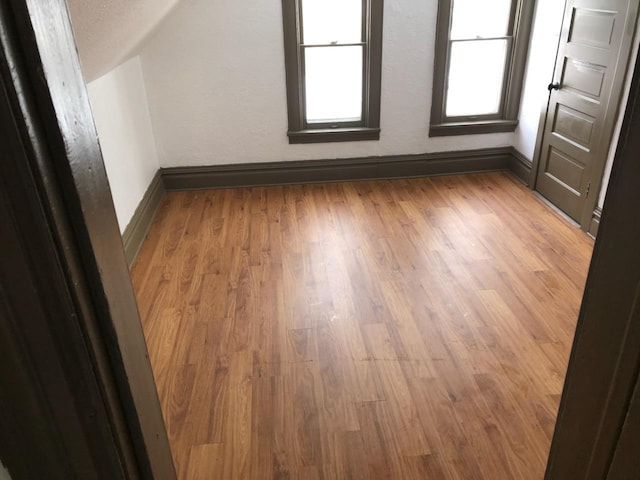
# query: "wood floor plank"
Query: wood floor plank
{"points": [[404, 329], [203, 460]]}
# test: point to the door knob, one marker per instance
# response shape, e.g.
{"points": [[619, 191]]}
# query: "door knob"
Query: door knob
{"points": [[554, 86]]}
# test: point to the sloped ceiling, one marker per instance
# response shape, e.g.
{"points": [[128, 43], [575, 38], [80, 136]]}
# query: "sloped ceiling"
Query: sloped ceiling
{"points": [[110, 31]]}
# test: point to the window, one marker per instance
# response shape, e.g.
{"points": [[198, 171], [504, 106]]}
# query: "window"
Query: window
{"points": [[333, 53], [481, 49]]}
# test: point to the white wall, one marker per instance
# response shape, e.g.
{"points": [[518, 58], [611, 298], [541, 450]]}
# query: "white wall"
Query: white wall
{"points": [[215, 79], [4, 474], [121, 113], [540, 65], [621, 112], [108, 32]]}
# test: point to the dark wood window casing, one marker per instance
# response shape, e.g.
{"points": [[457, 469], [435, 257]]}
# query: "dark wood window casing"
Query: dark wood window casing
{"points": [[368, 127], [506, 119]]}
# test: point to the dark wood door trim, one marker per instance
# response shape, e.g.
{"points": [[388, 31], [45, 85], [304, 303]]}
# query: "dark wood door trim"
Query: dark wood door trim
{"points": [[73, 264], [51, 403], [625, 462], [605, 359]]}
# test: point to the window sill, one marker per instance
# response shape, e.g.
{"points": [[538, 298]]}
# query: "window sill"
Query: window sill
{"points": [[334, 135], [472, 128]]}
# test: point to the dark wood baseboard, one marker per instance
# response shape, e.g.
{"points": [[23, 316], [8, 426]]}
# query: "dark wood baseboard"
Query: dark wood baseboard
{"points": [[138, 227], [595, 222], [336, 170], [520, 166], [312, 171]]}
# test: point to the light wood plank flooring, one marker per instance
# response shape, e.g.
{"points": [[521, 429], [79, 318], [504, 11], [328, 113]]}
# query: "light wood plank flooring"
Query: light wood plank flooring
{"points": [[407, 329]]}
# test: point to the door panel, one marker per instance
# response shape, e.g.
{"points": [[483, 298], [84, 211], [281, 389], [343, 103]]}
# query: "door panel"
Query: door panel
{"points": [[583, 78], [574, 126], [561, 166], [592, 27], [581, 112]]}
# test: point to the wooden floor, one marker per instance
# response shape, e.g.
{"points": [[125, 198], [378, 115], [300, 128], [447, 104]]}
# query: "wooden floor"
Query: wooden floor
{"points": [[409, 329]]}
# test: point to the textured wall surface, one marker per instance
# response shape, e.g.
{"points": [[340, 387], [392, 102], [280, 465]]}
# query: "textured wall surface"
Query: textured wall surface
{"points": [[215, 78], [4, 474], [110, 31], [120, 110], [540, 65]]}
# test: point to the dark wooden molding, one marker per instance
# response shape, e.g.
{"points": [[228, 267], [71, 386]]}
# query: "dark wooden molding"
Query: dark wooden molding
{"points": [[595, 222], [336, 170], [45, 397], [520, 166], [472, 128], [135, 233], [334, 135], [440, 63], [74, 329], [514, 82], [625, 462]]}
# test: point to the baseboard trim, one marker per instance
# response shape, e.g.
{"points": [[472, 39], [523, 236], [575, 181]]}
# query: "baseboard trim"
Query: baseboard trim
{"points": [[520, 166], [136, 232], [352, 169], [595, 222]]}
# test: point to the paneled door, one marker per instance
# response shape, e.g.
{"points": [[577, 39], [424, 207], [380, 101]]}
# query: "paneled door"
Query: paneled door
{"points": [[584, 97]]}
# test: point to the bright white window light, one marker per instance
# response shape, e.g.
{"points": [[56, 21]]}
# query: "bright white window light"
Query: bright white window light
{"points": [[327, 21], [477, 57], [476, 76], [333, 67], [480, 19], [333, 80]]}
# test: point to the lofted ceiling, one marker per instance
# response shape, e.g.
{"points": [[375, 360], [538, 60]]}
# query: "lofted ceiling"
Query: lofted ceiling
{"points": [[110, 31]]}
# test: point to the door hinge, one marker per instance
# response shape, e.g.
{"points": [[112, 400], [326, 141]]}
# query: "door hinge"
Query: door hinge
{"points": [[588, 190]]}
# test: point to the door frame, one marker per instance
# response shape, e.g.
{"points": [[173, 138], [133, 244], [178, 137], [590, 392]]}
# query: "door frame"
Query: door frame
{"points": [[620, 77], [67, 186], [605, 358], [76, 315]]}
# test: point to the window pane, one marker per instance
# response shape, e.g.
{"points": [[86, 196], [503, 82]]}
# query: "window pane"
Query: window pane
{"points": [[333, 80], [476, 75], [327, 21], [480, 19]]}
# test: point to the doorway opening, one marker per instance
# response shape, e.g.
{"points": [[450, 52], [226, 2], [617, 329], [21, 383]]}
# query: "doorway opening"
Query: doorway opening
{"points": [[324, 372], [391, 327]]}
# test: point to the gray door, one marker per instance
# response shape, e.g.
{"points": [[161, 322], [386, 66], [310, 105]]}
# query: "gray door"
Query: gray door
{"points": [[589, 74]]}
